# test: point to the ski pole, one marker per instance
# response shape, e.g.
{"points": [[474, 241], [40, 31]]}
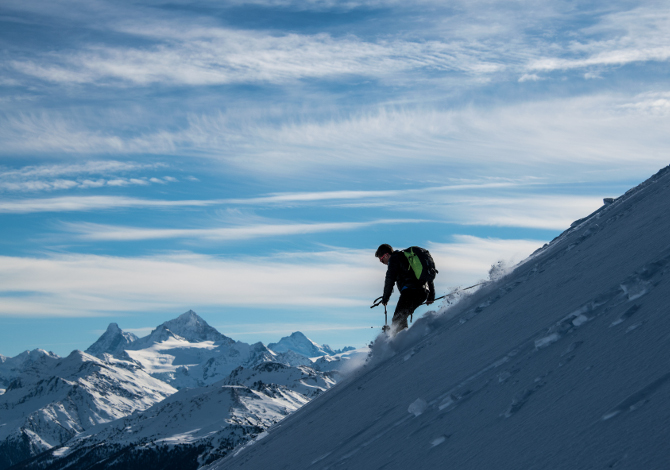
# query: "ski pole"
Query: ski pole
{"points": [[377, 302]]}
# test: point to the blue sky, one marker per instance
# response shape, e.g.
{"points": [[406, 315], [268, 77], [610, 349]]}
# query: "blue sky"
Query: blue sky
{"points": [[245, 159]]}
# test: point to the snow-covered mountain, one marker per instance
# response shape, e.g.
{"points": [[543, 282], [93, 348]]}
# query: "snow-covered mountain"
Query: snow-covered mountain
{"points": [[193, 426], [186, 352], [188, 326], [12, 367], [185, 364], [562, 364], [113, 341], [77, 401], [298, 342], [47, 407]]}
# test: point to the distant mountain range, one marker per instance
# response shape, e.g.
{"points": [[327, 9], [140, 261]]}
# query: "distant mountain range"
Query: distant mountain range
{"points": [[183, 395]]}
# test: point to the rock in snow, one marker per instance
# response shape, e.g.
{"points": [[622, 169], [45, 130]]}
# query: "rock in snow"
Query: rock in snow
{"points": [[561, 364]]}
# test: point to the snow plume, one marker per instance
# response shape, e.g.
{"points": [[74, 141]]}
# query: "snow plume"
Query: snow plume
{"points": [[353, 363], [499, 270]]}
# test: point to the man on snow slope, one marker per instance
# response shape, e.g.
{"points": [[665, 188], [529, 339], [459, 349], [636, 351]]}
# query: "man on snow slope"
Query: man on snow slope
{"points": [[412, 292]]}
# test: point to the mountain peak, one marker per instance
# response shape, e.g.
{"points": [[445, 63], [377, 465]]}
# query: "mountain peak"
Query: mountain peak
{"points": [[298, 342], [190, 326], [113, 341]]}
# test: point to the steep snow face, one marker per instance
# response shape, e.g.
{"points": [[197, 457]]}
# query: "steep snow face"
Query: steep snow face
{"points": [[114, 341], [301, 344], [560, 364], [40, 411], [208, 421]]}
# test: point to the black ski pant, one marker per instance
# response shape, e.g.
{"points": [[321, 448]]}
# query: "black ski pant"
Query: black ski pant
{"points": [[409, 300]]}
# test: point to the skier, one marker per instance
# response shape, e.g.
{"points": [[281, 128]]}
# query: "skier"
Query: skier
{"points": [[413, 291]]}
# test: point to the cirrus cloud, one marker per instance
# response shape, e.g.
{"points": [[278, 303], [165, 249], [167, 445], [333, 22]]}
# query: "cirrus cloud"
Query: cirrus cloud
{"points": [[86, 285]]}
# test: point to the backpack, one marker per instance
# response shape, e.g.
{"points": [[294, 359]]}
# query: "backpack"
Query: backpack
{"points": [[421, 263]]}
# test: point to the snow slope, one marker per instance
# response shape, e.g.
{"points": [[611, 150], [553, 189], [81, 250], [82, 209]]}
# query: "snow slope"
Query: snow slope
{"points": [[562, 364], [43, 410]]}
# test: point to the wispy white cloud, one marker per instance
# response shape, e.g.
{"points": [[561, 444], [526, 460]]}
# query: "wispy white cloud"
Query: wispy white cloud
{"points": [[59, 184], [478, 39], [208, 56], [542, 211], [85, 285], [99, 232], [393, 195], [638, 35], [94, 167], [526, 77], [542, 137], [50, 177], [545, 137], [55, 133], [91, 203], [464, 204], [653, 103]]}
